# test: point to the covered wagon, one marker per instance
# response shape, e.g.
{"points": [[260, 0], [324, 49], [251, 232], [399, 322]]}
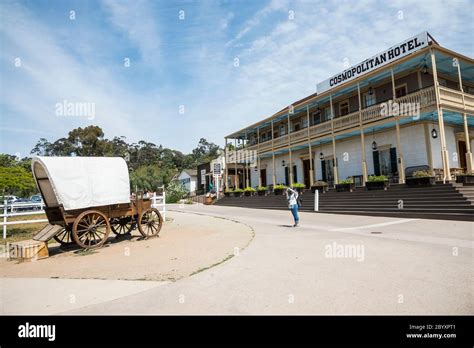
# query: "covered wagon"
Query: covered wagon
{"points": [[87, 197]]}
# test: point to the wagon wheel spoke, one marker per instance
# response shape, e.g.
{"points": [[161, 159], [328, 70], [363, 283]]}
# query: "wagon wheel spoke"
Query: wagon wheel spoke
{"points": [[149, 223], [91, 229]]}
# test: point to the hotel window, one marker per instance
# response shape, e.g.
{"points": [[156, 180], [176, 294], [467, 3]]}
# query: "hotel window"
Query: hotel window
{"points": [[326, 114], [269, 135], [344, 108], [369, 99], [401, 91], [304, 122], [316, 117], [282, 130], [296, 126]]}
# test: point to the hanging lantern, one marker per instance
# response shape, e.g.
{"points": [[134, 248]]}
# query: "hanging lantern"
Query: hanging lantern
{"points": [[434, 133], [425, 69], [371, 91], [321, 156], [374, 146], [283, 163]]}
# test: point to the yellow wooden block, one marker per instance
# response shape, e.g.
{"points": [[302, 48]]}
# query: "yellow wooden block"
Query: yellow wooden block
{"points": [[28, 250]]}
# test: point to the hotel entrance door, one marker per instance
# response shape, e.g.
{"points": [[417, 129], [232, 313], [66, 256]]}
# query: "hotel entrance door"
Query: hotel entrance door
{"points": [[306, 173], [462, 154]]}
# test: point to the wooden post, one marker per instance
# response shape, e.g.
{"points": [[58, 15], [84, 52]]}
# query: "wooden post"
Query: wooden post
{"points": [[246, 174], [258, 158], [362, 140], [469, 164], [400, 160], [273, 159], [311, 170], [336, 174], [236, 176], [429, 153], [290, 165], [442, 135], [225, 164]]}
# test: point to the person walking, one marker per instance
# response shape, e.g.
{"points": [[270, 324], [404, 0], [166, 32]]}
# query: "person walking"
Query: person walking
{"points": [[292, 197]]}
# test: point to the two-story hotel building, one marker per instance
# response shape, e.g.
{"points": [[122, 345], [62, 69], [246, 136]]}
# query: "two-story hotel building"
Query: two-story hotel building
{"points": [[411, 105]]}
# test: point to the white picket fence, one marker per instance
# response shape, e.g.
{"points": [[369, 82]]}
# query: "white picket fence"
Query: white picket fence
{"points": [[15, 209]]}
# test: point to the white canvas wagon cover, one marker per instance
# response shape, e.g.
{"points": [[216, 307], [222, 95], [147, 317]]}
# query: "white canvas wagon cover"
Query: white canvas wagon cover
{"points": [[82, 182]]}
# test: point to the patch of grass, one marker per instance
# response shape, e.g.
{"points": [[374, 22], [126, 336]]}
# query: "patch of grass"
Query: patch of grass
{"points": [[20, 232], [214, 265]]}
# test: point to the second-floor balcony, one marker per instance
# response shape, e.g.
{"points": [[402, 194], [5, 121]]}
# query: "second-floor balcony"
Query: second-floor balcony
{"points": [[425, 99]]}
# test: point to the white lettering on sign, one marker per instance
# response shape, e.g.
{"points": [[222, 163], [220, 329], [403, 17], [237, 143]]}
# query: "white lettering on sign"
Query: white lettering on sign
{"points": [[393, 53]]}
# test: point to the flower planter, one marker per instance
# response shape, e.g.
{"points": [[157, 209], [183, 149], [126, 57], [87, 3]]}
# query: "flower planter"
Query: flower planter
{"points": [[278, 192], [376, 185], [227, 194], [298, 189], [262, 193], [248, 193], [421, 181], [465, 179], [237, 194], [344, 187], [321, 188]]}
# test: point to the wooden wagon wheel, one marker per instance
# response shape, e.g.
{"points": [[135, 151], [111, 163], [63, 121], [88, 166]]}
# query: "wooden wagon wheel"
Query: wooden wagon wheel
{"points": [[122, 226], [149, 222], [91, 229], [64, 237]]}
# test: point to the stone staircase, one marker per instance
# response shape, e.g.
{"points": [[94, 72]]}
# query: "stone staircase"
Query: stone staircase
{"points": [[440, 201]]}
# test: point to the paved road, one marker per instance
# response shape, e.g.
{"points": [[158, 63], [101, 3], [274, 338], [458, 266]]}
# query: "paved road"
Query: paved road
{"points": [[332, 264]]}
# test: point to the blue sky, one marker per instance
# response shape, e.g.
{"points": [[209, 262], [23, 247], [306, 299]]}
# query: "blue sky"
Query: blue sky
{"points": [[283, 49]]}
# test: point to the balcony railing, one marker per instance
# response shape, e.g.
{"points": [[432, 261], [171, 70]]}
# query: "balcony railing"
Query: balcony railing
{"points": [[422, 99], [452, 99]]}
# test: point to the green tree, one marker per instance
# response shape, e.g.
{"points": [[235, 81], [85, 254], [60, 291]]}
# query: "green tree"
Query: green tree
{"points": [[16, 181], [175, 191]]}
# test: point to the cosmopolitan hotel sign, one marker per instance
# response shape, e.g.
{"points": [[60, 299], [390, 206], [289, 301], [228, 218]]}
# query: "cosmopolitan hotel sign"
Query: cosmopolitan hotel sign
{"points": [[393, 53]]}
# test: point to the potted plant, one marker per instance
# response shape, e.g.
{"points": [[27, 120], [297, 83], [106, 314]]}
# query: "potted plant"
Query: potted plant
{"points": [[377, 182], [278, 189], [228, 192], [420, 178], [321, 186], [261, 190], [345, 185], [249, 191], [237, 192], [465, 179], [299, 187]]}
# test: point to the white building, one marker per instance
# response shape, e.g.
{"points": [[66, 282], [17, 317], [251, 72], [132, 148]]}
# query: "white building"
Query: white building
{"points": [[188, 178]]}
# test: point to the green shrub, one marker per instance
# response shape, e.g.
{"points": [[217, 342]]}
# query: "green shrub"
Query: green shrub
{"points": [[261, 188], [347, 181], [279, 187], [421, 174], [249, 189], [298, 185], [238, 190], [377, 178], [320, 183], [174, 192]]}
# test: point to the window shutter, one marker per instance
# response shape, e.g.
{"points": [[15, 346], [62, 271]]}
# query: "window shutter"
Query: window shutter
{"points": [[376, 162], [295, 174], [393, 160], [287, 179]]}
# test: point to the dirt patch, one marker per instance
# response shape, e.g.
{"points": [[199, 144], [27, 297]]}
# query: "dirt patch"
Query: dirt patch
{"points": [[188, 244]]}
